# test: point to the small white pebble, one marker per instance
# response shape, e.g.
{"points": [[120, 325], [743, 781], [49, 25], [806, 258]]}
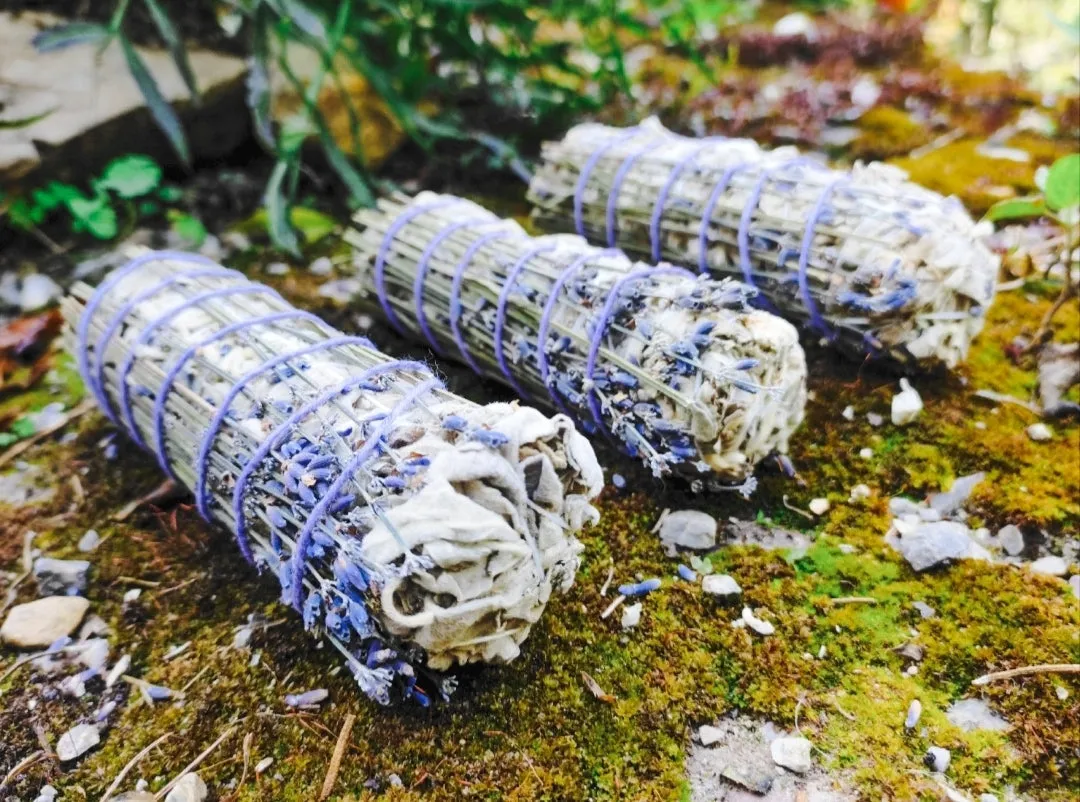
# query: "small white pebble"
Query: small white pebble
{"points": [[263, 765], [89, 541], [709, 735], [1050, 566], [631, 616], [720, 585], [937, 759], [132, 595], [874, 419], [1062, 692], [276, 269], [321, 266], [914, 712], [980, 425], [821, 652], [906, 404], [860, 492], [848, 413], [866, 453], [1039, 432], [819, 506], [760, 626]]}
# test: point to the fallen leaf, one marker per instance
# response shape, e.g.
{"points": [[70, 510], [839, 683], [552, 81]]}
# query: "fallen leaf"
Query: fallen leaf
{"points": [[596, 690]]}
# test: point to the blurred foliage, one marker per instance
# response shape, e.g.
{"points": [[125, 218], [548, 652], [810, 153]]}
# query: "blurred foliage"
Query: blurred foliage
{"points": [[497, 71]]}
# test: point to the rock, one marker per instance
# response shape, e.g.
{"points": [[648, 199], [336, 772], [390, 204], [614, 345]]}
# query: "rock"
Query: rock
{"points": [[708, 735], [900, 506], [931, 544], [1049, 566], [770, 538], [321, 266], [953, 499], [61, 577], [859, 493], [96, 109], [89, 541], [848, 413], [792, 753], [40, 623], [688, 529], [914, 712], [1059, 370], [37, 291], [819, 506], [974, 714], [937, 759], [874, 419], [795, 24], [752, 778], [866, 453], [77, 741], [906, 404], [46, 794], [631, 616], [276, 269], [1039, 432], [1011, 540], [924, 609], [190, 788], [987, 798], [1074, 583], [759, 625], [721, 585]]}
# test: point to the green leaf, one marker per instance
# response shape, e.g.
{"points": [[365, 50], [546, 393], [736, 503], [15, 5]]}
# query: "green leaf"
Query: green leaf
{"points": [[23, 427], [74, 33], [131, 176], [258, 81], [23, 214], [1063, 182], [170, 194], [187, 226], [164, 114], [7, 439], [1016, 209], [314, 225], [175, 44], [282, 233], [94, 216]]}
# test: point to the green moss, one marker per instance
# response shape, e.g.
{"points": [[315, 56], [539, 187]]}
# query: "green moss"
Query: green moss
{"points": [[886, 131]]}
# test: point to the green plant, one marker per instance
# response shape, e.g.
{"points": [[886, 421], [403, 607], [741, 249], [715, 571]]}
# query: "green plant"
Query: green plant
{"points": [[1059, 201], [509, 65], [129, 185]]}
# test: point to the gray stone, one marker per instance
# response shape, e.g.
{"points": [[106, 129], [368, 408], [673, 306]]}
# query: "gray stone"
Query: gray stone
{"points": [[953, 499], [92, 108], [46, 794], [932, 544], [688, 529], [721, 585], [1039, 432], [914, 713], [61, 577], [1050, 566], [77, 741], [708, 735], [937, 759], [89, 541], [38, 291], [1011, 540], [792, 753], [924, 609], [40, 623], [974, 714], [190, 788], [1074, 583], [759, 625]]}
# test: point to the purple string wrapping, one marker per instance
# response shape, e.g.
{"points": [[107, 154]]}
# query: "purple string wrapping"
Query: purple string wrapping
{"points": [[500, 312], [816, 321], [706, 217], [616, 186], [662, 196], [455, 294], [583, 181]]}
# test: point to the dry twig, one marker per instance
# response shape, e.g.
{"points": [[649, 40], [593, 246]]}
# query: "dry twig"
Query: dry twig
{"points": [[335, 758], [1045, 668], [130, 765]]}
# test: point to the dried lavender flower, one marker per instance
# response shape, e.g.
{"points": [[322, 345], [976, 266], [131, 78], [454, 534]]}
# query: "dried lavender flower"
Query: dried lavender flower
{"points": [[865, 258], [674, 368], [409, 544]]}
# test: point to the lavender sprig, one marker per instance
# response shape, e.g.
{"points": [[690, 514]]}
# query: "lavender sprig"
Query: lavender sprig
{"points": [[413, 529], [864, 258], [674, 368]]}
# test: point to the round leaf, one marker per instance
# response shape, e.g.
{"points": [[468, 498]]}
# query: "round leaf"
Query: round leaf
{"points": [[1016, 209], [1063, 182], [131, 176]]}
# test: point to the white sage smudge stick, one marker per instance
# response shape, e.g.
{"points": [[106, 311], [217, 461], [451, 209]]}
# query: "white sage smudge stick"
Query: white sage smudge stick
{"points": [[867, 259], [674, 368], [415, 530]]}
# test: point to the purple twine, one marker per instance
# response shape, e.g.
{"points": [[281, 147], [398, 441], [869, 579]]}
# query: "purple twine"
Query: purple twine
{"points": [[280, 432], [384, 250], [804, 258], [617, 182], [202, 501], [156, 323], [357, 461], [603, 320], [661, 198], [455, 292], [549, 311], [707, 213], [120, 318], [586, 171], [83, 331], [500, 311], [423, 264], [743, 233], [162, 396]]}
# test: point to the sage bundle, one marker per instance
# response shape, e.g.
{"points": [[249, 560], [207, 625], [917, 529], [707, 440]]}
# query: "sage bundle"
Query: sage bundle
{"points": [[674, 368], [413, 529], [865, 258]]}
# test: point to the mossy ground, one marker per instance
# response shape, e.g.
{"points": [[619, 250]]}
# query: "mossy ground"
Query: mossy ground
{"points": [[532, 729]]}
